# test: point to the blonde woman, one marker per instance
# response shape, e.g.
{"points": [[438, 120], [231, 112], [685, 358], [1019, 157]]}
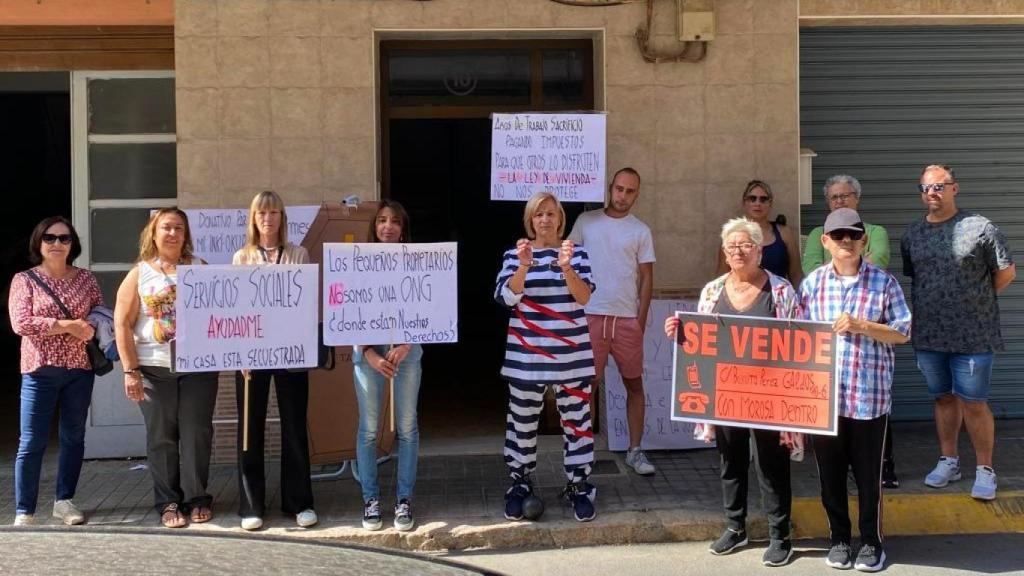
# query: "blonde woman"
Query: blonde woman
{"points": [[266, 242], [545, 282], [177, 408]]}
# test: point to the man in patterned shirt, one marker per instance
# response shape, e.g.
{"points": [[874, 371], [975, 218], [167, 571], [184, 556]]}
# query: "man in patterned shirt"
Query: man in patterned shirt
{"points": [[870, 316], [958, 263]]}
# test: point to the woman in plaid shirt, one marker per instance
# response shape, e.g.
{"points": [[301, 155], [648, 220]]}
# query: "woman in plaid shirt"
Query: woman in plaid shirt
{"points": [[870, 316]]}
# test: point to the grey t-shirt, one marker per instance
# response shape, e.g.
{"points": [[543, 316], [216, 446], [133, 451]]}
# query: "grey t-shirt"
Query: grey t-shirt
{"points": [[954, 300]]}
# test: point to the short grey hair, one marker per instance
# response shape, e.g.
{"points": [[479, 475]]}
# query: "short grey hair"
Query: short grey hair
{"points": [[841, 179], [751, 228]]}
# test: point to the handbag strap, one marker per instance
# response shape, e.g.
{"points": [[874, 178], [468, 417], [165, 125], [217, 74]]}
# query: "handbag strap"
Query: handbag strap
{"points": [[35, 277]]}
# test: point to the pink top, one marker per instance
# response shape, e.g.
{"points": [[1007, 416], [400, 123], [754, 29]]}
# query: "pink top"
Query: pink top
{"points": [[33, 313]]}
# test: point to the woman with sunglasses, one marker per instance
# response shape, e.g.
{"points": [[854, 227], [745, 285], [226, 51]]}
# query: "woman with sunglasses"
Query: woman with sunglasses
{"points": [[55, 369], [750, 290], [780, 252]]}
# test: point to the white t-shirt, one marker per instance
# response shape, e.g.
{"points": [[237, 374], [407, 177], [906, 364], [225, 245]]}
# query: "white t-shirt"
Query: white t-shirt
{"points": [[617, 246]]}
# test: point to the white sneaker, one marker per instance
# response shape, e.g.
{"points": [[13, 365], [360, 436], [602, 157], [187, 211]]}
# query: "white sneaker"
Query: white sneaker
{"points": [[946, 471], [637, 460], [68, 512], [306, 518], [984, 484], [24, 520], [252, 523]]}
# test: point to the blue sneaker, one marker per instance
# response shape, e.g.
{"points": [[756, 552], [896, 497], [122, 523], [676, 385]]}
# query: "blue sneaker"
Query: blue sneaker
{"points": [[581, 497], [514, 496]]}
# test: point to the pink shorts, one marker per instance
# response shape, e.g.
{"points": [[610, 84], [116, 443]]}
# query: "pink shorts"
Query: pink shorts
{"points": [[623, 338]]}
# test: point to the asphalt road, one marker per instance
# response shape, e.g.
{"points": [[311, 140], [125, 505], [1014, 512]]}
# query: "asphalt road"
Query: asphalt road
{"points": [[918, 556]]}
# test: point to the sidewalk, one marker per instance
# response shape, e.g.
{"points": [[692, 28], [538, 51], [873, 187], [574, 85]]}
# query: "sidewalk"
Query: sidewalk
{"points": [[459, 499]]}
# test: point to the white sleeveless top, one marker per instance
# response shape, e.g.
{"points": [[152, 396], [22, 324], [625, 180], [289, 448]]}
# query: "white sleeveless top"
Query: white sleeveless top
{"points": [[154, 328]]}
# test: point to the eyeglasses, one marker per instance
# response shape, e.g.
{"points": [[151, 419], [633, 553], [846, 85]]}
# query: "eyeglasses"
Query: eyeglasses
{"points": [[741, 247], [838, 235], [838, 197], [51, 238], [757, 199], [938, 187]]}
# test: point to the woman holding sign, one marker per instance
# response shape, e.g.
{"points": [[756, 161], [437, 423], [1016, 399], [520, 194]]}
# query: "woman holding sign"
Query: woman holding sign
{"points": [[749, 290], [545, 281], [266, 242], [374, 367], [177, 408]]}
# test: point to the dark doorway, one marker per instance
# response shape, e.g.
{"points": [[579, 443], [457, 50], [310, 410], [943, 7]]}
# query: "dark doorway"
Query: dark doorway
{"points": [[35, 164], [437, 98]]}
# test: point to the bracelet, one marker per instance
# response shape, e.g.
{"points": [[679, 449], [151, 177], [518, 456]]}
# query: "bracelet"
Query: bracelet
{"points": [[133, 371]]}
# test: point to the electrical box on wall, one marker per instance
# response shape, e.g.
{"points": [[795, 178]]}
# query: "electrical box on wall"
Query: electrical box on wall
{"points": [[696, 20]]}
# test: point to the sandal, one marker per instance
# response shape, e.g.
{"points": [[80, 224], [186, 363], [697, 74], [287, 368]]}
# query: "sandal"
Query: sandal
{"points": [[201, 514], [172, 517]]}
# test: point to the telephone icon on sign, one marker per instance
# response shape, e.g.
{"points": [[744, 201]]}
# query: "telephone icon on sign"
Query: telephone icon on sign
{"points": [[693, 402]]}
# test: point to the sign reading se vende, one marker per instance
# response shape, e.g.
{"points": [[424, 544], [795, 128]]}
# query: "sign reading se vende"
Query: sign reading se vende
{"points": [[768, 373]]}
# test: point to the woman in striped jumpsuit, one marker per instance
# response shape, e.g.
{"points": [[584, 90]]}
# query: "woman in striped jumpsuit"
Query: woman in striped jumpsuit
{"points": [[545, 282]]}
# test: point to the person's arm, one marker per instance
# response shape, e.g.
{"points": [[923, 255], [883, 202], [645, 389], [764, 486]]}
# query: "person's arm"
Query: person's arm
{"points": [[1002, 278], [877, 250], [578, 286], [24, 322], [126, 312], [814, 252], [645, 279], [908, 262], [796, 274], [847, 324]]}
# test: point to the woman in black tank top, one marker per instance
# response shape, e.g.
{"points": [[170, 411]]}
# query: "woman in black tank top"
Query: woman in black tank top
{"points": [[780, 251]]}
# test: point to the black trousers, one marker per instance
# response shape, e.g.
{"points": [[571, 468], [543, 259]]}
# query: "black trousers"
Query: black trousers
{"points": [[772, 460], [292, 400], [858, 446]]}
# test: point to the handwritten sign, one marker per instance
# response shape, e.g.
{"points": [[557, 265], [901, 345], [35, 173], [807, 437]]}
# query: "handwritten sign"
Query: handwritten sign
{"points": [[390, 293], [246, 317], [756, 373], [561, 153], [660, 431], [218, 233]]}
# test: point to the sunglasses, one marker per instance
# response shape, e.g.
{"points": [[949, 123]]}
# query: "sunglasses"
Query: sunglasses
{"points": [[938, 187], [51, 238], [838, 235], [758, 199]]}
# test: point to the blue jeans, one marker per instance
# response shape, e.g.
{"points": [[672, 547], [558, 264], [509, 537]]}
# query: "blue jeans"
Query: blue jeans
{"points": [[41, 392], [370, 388], [965, 375]]}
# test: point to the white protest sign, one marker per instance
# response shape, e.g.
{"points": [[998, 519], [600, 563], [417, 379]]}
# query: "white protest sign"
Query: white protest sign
{"points": [[246, 317], [218, 233], [390, 293], [660, 431], [561, 153]]}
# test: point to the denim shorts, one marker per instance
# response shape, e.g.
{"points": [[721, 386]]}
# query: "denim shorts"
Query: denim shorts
{"points": [[965, 375]]}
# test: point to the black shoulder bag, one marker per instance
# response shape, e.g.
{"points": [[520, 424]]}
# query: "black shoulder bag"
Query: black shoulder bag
{"points": [[97, 359]]}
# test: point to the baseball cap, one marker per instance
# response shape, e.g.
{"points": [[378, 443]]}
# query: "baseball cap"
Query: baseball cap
{"points": [[843, 219]]}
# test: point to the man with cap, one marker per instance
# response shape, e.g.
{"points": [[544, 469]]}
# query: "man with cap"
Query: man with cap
{"points": [[869, 315]]}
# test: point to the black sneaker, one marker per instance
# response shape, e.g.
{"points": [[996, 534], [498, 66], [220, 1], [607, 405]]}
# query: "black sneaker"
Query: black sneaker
{"points": [[839, 556], [729, 541], [580, 496], [514, 496], [778, 553], [889, 478], [871, 558], [371, 515], [403, 516]]}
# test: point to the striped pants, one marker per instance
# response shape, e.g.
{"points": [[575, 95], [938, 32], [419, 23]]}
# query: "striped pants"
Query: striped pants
{"points": [[525, 402]]}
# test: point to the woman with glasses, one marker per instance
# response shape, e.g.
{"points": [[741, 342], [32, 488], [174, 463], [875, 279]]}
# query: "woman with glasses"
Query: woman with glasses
{"points": [[750, 290], [55, 369], [177, 407], [780, 253]]}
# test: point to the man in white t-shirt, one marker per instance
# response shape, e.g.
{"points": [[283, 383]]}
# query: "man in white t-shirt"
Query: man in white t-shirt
{"points": [[622, 263]]}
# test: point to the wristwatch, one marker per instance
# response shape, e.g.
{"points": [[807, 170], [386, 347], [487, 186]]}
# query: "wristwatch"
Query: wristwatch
{"points": [[133, 371]]}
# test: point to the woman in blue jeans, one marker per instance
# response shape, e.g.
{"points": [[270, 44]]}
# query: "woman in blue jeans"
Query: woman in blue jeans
{"points": [[374, 366], [55, 369]]}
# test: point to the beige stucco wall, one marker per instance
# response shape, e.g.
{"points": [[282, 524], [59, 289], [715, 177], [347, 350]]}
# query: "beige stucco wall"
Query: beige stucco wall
{"points": [[281, 94]]}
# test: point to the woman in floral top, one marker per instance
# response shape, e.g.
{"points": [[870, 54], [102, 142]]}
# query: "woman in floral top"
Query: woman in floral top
{"points": [[55, 369], [177, 408]]}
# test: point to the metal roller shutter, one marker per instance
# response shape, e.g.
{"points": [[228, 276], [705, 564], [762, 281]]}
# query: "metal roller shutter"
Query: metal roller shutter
{"points": [[880, 104]]}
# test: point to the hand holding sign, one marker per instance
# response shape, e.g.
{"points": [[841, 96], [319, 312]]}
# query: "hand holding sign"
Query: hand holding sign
{"points": [[847, 324], [524, 251], [565, 254], [671, 327]]}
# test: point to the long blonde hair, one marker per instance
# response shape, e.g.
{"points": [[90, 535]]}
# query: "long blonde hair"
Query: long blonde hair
{"points": [[266, 200], [147, 240]]}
